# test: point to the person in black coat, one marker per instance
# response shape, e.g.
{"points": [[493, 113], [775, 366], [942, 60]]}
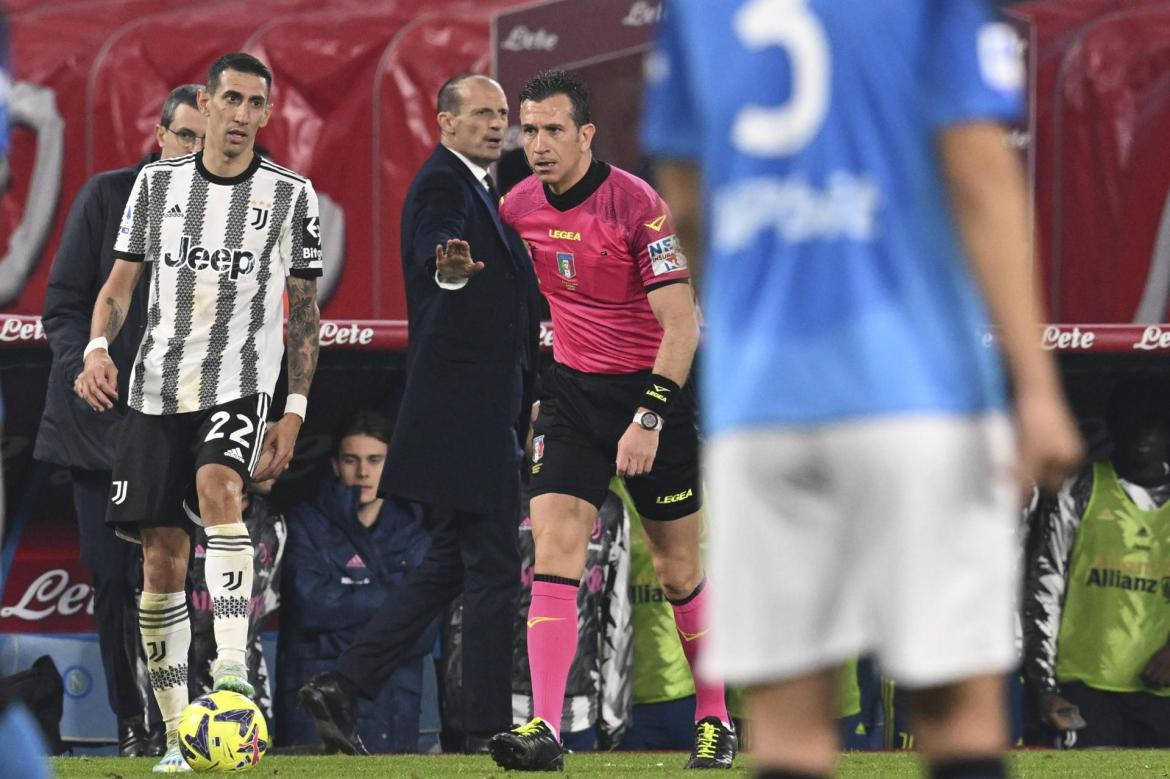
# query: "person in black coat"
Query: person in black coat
{"points": [[72, 435], [472, 302]]}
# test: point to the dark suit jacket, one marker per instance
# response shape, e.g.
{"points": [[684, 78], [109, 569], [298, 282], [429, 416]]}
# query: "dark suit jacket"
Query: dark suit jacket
{"points": [[472, 355], [71, 433]]}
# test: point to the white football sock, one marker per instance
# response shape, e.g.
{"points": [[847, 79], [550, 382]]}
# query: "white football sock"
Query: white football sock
{"points": [[228, 569], [166, 637]]}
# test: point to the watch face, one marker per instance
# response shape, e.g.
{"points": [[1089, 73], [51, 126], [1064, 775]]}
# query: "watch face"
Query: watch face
{"points": [[649, 420]]}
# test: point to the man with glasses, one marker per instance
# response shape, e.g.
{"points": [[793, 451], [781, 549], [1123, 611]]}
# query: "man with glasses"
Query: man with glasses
{"points": [[73, 436]]}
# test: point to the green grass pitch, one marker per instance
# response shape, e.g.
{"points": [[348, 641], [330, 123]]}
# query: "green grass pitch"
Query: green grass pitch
{"points": [[1024, 765]]}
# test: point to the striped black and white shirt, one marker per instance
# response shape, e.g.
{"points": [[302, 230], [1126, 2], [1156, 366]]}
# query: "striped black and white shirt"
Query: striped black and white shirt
{"points": [[222, 248]]}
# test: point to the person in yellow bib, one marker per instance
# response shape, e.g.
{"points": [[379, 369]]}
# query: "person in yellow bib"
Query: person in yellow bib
{"points": [[1097, 600]]}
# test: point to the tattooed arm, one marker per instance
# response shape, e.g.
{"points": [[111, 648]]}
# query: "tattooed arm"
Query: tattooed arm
{"points": [[303, 324], [301, 352], [97, 384]]}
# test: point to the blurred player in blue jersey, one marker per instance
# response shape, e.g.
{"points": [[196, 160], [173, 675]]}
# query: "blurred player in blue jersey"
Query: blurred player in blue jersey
{"points": [[858, 196]]}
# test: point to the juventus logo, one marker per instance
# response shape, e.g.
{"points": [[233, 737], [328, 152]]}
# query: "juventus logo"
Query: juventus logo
{"points": [[259, 217], [233, 579], [157, 650], [120, 489]]}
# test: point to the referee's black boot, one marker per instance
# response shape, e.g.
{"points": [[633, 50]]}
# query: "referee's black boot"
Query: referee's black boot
{"points": [[715, 745], [530, 747], [332, 700]]}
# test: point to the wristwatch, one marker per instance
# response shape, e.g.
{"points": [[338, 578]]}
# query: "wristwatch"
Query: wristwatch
{"points": [[648, 420]]}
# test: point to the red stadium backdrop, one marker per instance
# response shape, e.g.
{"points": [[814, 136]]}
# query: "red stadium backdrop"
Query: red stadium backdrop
{"points": [[1101, 114]]}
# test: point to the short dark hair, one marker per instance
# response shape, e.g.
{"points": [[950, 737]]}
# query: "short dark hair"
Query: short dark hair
{"points": [[188, 94], [364, 422], [240, 62], [449, 100], [548, 83]]}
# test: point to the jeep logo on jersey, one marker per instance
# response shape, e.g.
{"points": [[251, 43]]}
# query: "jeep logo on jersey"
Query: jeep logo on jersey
{"points": [[234, 262], [311, 238]]}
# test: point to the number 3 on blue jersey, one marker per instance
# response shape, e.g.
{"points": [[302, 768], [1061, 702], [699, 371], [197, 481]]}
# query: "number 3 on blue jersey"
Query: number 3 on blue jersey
{"points": [[778, 131]]}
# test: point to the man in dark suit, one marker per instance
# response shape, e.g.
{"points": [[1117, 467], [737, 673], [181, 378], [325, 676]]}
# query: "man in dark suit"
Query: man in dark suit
{"points": [[72, 435], [471, 297]]}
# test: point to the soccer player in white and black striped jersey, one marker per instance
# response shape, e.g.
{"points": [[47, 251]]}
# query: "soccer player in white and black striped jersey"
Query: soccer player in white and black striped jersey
{"points": [[228, 233]]}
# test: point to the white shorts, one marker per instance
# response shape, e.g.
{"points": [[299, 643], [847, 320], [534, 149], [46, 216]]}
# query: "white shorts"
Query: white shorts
{"points": [[894, 537]]}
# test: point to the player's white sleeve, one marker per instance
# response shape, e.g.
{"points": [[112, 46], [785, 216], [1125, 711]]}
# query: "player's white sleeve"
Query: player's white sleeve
{"points": [[131, 241], [301, 241], [1047, 578]]}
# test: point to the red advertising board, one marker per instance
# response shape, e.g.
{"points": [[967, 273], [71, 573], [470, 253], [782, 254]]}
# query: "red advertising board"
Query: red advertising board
{"points": [[604, 40]]}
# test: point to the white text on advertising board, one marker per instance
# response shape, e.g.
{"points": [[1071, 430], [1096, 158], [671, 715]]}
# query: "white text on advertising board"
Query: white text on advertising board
{"points": [[49, 594], [643, 14], [334, 333], [1153, 337], [16, 330], [523, 39], [1060, 338]]}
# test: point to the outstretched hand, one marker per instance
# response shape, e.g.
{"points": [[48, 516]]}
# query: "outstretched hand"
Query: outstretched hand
{"points": [[453, 261]]}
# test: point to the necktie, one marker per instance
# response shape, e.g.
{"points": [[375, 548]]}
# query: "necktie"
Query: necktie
{"points": [[493, 193]]}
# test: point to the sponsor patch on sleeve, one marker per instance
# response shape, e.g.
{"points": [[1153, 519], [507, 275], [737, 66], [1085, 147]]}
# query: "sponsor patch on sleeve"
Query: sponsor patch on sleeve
{"points": [[311, 239], [1000, 59], [127, 220], [666, 256]]}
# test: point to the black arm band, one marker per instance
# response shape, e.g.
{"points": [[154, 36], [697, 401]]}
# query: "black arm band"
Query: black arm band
{"points": [[659, 395]]}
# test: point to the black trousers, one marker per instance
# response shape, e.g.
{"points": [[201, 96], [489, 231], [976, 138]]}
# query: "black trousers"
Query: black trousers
{"points": [[1120, 719], [475, 554], [114, 566]]}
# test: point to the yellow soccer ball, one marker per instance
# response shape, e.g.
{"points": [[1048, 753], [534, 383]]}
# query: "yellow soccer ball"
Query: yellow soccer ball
{"points": [[222, 732]]}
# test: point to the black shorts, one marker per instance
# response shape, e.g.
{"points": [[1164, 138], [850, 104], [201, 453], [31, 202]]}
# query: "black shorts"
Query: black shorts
{"points": [[575, 437], [158, 454]]}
